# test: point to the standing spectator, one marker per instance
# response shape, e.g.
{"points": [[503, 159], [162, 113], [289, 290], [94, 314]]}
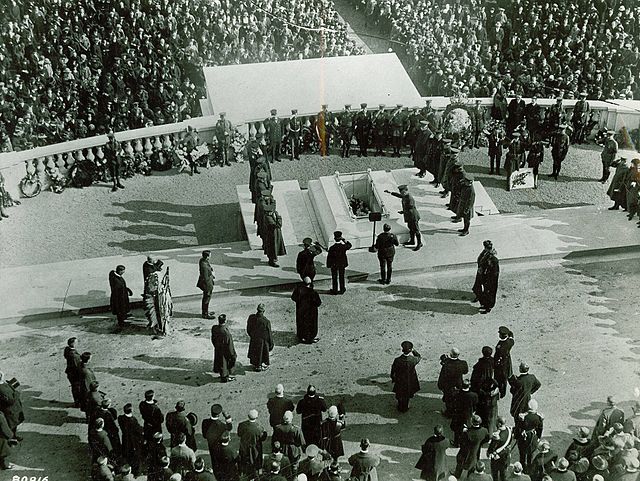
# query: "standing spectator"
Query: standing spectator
{"points": [[514, 157], [182, 456], [337, 262], [485, 286], [224, 352], [617, 189], [608, 155], [6, 440], [404, 376], [101, 471], [470, 443], [307, 302], [482, 370], [488, 404], [290, 438], [433, 461], [119, 295], [112, 157], [632, 424], [411, 216], [206, 282], [535, 157], [477, 123], [132, 439], [178, 423], [311, 407], [499, 450], [364, 463], [223, 131], [534, 115], [199, 472], [224, 459], [273, 127], [278, 405], [523, 387], [109, 415], [385, 245], [72, 370], [478, 473], [278, 456], [517, 473], [529, 428], [324, 125], [379, 123], [464, 406], [502, 358], [450, 378], [582, 445], [362, 126], [559, 148], [272, 238], [305, 265], [608, 417], [466, 206], [294, 128], [315, 463], [86, 377], [99, 442], [251, 435], [579, 119], [495, 140], [260, 339], [213, 428], [515, 114], [152, 418], [157, 460], [331, 430], [345, 130], [562, 472]]}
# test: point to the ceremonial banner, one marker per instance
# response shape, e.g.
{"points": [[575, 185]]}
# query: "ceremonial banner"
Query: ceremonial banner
{"points": [[522, 179]]}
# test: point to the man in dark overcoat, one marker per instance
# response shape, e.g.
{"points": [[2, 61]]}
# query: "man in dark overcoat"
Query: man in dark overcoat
{"points": [[273, 240], [522, 387], [213, 428], [617, 189], [224, 351], [465, 404], [152, 418], [489, 269], [421, 149], [502, 359], [450, 378], [385, 245], [559, 149], [112, 158], [260, 339], [362, 125], [311, 407], [471, 442], [85, 378], [307, 302], [337, 262], [251, 435], [404, 376], [274, 131], [132, 439], [433, 461], [466, 205], [119, 294], [411, 216], [205, 282], [73, 369]]}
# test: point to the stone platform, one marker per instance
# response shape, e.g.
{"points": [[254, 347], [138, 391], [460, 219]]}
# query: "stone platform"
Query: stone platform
{"points": [[322, 209]]}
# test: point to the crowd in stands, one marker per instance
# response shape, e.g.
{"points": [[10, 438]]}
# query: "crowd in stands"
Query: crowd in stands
{"points": [[72, 69], [539, 47]]}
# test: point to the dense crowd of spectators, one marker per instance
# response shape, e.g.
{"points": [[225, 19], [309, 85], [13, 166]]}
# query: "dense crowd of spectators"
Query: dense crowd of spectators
{"points": [[71, 69], [539, 47]]}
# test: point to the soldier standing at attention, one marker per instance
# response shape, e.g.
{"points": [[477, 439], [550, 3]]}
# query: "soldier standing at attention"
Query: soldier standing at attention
{"points": [[386, 247], [559, 149], [362, 125], [411, 216], [323, 129], [379, 122], [223, 135], [190, 142], [294, 127], [608, 155], [396, 128], [273, 126], [346, 131], [110, 150]]}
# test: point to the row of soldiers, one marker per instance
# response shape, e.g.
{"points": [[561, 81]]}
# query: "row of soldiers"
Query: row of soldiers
{"points": [[380, 129]]}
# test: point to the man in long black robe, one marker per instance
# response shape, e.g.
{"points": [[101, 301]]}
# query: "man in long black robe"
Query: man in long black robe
{"points": [[403, 375], [260, 339], [224, 352], [421, 149], [119, 294], [273, 240], [307, 302]]}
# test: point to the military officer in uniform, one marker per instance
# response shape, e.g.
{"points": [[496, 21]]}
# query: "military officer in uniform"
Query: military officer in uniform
{"points": [[379, 122], [294, 128], [608, 155], [411, 216], [324, 121], [396, 129], [190, 142], [559, 148], [273, 127], [114, 162], [345, 130], [385, 245], [223, 131], [205, 282], [556, 116], [579, 119], [499, 450], [529, 428], [362, 126]]}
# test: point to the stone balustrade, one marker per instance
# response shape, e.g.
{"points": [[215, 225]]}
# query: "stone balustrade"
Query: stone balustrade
{"points": [[14, 165]]}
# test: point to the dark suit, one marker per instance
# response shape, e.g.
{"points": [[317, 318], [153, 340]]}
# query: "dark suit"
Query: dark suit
{"points": [[411, 216], [470, 443], [273, 127], [152, 419], [132, 441], [337, 262], [311, 409], [450, 380], [177, 423], [305, 266], [433, 462], [464, 405], [224, 462], [205, 284], [404, 378], [363, 466], [502, 363], [251, 436], [224, 351], [386, 246], [277, 406], [73, 373], [291, 439], [522, 387], [212, 431], [119, 296]]}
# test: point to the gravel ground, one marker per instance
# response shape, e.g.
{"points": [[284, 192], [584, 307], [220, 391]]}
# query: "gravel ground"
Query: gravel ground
{"points": [[563, 317], [170, 210]]}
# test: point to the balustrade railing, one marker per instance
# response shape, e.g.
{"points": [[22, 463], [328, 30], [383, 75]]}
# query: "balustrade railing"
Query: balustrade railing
{"points": [[14, 165]]}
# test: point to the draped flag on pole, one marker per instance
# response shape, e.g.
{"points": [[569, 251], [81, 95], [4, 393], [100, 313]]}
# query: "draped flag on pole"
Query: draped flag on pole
{"points": [[165, 304]]}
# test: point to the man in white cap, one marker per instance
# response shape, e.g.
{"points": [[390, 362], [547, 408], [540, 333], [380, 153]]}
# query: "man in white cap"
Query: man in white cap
{"points": [[529, 428], [251, 435]]}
